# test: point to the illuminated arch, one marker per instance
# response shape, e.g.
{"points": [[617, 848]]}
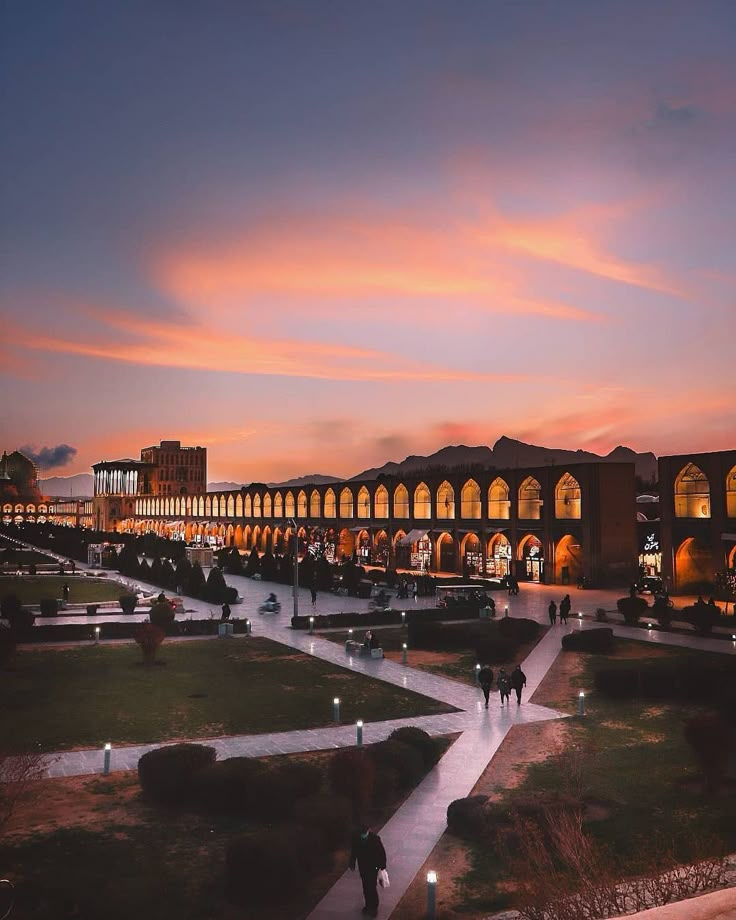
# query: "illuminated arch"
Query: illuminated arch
{"points": [[247, 535], [346, 503], [568, 555], [266, 539], [238, 536], [345, 545], [567, 498], [732, 558], [257, 505], [422, 502], [445, 553], [230, 535], [731, 493], [208, 507], [231, 506], [693, 566], [267, 505], [277, 541], [470, 504], [315, 502], [289, 505], [380, 502], [401, 501], [692, 493], [470, 543], [530, 499], [364, 503], [445, 509], [256, 541], [329, 507], [301, 504], [239, 505], [399, 535], [278, 505], [188, 506]]}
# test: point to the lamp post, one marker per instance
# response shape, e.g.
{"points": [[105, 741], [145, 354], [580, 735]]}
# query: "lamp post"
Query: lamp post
{"points": [[106, 759], [431, 895], [359, 733], [292, 521], [581, 703], [336, 709], [403, 653]]}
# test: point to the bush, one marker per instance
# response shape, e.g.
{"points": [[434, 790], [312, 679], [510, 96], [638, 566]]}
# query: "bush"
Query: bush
{"points": [[352, 773], [600, 615], [428, 747], [663, 613], [264, 867], [466, 818], [703, 617], [518, 629], [395, 755], [712, 740], [165, 774], [494, 651], [49, 606], [215, 588], [196, 583], [227, 786], [149, 637], [10, 606], [20, 619], [162, 615], [331, 815], [276, 791], [128, 603], [598, 641], [7, 645], [632, 608]]}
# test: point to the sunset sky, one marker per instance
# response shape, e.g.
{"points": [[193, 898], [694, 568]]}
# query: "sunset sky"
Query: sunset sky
{"points": [[317, 236]]}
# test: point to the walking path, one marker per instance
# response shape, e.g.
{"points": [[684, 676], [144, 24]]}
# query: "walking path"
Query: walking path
{"points": [[416, 827]]}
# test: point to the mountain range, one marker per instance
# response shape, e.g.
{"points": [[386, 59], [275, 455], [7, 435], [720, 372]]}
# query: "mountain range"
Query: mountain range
{"points": [[506, 453]]}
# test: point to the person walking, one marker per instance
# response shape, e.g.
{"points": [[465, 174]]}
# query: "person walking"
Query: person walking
{"points": [[226, 611], [65, 592], [552, 611], [313, 592], [485, 679], [518, 682], [565, 605], [504, 685], [368, 852]]}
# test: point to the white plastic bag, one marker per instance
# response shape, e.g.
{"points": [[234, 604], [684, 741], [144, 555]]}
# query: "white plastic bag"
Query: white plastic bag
{"points": [[383, 879]]}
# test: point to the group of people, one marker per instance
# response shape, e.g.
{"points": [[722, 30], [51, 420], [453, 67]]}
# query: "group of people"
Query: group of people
{"points": [[511, 583], [505, 683], [563, 610]]}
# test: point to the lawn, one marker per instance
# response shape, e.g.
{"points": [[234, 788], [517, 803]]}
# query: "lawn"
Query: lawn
{"points": [[30, 589], [638, 770], [84, 696]]}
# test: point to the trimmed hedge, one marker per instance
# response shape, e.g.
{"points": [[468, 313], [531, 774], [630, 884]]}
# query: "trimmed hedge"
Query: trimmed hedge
{"points": [[276, 791], [166, 773], [49, 606], [227, 786], [598, 641], [395, 755], [385, 617], [331, 815], [669, 680], [466, 818], [430, 748], [352, 773], [122, 630]]}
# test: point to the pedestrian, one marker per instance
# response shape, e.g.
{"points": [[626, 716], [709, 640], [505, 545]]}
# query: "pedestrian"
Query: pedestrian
{"points": [[368, 852], [65, 592], [313, 592], [518, 682], [485, 679], [491, 607], [565, 605], [515, 583], [504, 685], [226, 611], [552, 611]]}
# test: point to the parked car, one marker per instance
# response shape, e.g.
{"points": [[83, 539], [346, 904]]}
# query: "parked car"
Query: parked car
{"points": [[650, 584]]}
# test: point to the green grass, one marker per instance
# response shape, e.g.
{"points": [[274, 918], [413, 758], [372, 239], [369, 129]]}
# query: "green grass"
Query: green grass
{"points": [[84, 696], [635, 760], [30, 589]]}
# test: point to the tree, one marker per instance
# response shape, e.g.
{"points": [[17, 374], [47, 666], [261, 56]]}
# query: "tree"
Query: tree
{"points": [[196, 584], [128, 561], [216, 591], [183, 573], [254, 563], [149, 637], [17, 773], [231, 562]]}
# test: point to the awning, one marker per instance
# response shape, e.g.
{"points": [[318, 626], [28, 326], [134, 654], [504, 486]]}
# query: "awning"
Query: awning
{"points": [[414, 536]]}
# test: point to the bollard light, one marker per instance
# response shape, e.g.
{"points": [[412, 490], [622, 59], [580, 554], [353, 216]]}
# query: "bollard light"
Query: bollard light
{"points": [[477, 674], [359, 732], [247, 627], [580, 615], [97, 634], [106, 759], [403, 653], [649, 625], [431, 894], [336, 709], [505, 611], [311, 626], [581, 703], [350, 634], [734, 638], [403, 617]]}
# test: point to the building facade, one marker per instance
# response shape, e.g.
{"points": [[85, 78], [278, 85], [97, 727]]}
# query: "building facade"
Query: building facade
{"points": [[175, 470], [698, 518]]}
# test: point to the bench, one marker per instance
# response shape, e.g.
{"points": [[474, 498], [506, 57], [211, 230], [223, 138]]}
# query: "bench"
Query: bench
{"points": [[358, 648]]}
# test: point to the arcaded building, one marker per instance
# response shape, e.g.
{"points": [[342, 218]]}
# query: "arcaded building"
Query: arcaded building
{"points": [[549, 524], [698, 518]]}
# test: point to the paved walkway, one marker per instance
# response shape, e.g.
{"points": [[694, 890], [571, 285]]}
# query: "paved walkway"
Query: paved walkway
{"points": [[416, 827]]}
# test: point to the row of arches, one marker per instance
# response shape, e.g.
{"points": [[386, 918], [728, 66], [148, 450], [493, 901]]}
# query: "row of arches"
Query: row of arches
{"points": [[23, 508], [345, 503], [23, 519], [693, 493]]}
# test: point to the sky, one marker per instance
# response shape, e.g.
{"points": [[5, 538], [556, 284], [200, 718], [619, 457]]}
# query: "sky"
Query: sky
{"points": [[317, 236]]}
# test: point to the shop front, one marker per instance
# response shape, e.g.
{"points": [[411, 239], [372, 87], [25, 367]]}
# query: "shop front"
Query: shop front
{"points": [[414, 551], [498, 557], [531, 556], [381, 548], [363, 548], [650, 551], [472, 556]]}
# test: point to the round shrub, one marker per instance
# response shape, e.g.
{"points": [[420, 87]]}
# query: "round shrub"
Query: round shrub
{"points": [[49, 606], [466, 818], [227, 786], [352, 773], [387, 786], [598, 641], [127, 602], [395, 755], [494, 650], [276, 790], [331, 815], [162, 615], [632, 608], [518, 629], [264, 867], [417, 738], [165, 774], [17, 616]]}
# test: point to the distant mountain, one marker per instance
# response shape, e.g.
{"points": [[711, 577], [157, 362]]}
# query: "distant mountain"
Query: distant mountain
{"points": [[508, 453], [317, 479], [79, 486], [224, 486]]}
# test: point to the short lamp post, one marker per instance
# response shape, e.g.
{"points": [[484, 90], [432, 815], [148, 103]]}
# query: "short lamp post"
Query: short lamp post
{"points": [[477, 675], [106, 759], [247, 627], [359, 733], [581, 703], [403, 653], [505, 611], [97, 635], [403, 617], [431, 895], [336, 709], [311, 626]]}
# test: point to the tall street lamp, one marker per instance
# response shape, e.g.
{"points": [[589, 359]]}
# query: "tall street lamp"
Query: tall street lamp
{"points": [[292, 521]]}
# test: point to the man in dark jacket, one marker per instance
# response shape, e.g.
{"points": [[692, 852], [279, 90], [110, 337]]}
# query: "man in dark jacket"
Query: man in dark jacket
{"points": [[367, 850], [518, 681], [485, 679]]}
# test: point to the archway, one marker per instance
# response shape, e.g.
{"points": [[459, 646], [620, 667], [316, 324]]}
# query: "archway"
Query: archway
{"points": [[256, 541], [301, 504], [569, 566], [692, 493], [345, 545], [364, 503], [256, 505], [422, 502], [498, 556], [315, 510], [471, 554], [247, 532], [693, 566], [266, 541], [289, 505], [445, 501], [329, 504], [567, 498], [239, 505], [530, 499], [445, 553], [531, 556], [381, 548], [278, 505], [238, 537], [278, 540], [732, 558], [267, 505], [470, 500], [401, 502], [229, 535], [346, 503], [731, 494], [380, 502], [363, 548]]}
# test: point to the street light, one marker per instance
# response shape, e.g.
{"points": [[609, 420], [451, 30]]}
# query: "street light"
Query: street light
{"points": [[292, 521]]}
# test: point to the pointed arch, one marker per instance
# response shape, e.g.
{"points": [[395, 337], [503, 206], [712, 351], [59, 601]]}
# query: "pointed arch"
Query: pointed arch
{"points": [[346, 503], [380, 502], [289, 505], [530, 500], [731, 493], [692, 493], [315, 503], [346, 544], [693, 566], [445, 509], [470, 503], [266, 540], [567, 498], [231, 506], [256, 541], [301, 504], [278, 505], [401, 501], [569, 560], [445, 553], [239, 505], [499, 505], [422, 502], [267, 505], [329, 509], [208, 507], [248, 505], [364, 503], [257, 505]]}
